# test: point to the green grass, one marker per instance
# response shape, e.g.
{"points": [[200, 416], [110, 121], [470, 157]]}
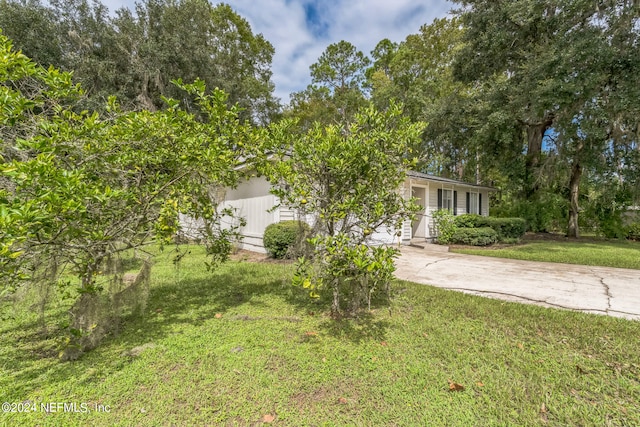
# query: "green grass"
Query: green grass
{"points": [[275, 352], [622, 254]]}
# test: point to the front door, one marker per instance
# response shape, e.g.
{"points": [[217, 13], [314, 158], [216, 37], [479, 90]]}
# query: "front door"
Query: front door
{"points": [[419, 225]]}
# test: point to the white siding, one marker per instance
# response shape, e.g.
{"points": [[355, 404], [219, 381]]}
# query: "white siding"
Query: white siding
{"points": [[254, 187], [256, 213], [485, 203], [252, 201], [383, 237], [287, 214]]}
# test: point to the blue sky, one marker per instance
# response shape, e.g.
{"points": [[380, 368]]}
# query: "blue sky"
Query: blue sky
{"points": [[300, 30]]}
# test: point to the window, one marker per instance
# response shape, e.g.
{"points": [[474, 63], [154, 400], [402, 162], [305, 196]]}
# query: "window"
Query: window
{"points": [[447, 199], [474, 203], [472, 206]]}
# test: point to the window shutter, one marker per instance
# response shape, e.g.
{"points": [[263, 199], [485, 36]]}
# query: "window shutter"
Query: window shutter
{"points": [[480, 203], [455, 203], [439, 198], [468, 200]]}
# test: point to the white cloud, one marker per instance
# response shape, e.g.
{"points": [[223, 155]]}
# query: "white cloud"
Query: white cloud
{"points": [[361, 22]]}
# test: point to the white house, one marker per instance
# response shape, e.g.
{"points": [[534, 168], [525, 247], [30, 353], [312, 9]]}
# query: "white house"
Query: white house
{"points": [[259, 207]]}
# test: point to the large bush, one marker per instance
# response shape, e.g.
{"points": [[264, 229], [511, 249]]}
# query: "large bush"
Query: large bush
{"points": [[482, 236], [507, 228], [470, 221], [633, 231], [445, 225], [78, 189], [346, 179], [548, 212], [286, 239]]}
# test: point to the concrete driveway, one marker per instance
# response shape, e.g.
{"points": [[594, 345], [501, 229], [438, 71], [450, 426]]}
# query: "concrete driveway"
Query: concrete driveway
{"points": [[603, 290]]}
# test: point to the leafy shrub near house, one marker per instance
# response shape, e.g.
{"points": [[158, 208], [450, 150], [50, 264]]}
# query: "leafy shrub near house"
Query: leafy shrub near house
{"points": [[445, 225], [470, 221], [482, 236], [286, 239], [507, 228], [633, 231]]}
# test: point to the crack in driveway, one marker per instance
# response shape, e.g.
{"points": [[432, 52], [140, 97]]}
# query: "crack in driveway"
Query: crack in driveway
{"points": [[513, 295], [607, 290], [435, 262], [427, 265], [579, 288], [534, 300]]}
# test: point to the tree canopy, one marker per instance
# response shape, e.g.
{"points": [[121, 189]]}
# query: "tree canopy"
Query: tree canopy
{"points": [[562, 69], [135, 54], [337, 90], [80, 188]]}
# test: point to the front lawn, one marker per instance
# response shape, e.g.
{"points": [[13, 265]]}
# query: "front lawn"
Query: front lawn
{"points": [[242, 347], [606, 253]]}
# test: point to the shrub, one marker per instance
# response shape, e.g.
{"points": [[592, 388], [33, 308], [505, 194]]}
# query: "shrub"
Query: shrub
{"points": [[469, 221], [548, 212], [482, 236], [507, 228], [286, 239], [633, 231], [612, 227], [445, 225]]}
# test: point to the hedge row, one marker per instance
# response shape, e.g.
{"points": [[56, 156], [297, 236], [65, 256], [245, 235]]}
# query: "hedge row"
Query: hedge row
{"points": [[482, 236], [506, 228]]}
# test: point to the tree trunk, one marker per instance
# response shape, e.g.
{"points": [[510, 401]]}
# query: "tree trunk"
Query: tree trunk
{"points": [[573, 229], [535, 135], [335, 305]]}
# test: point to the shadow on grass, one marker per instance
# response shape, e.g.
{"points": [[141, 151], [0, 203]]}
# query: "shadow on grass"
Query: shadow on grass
{"points": [[172, 303], [363, 328]]}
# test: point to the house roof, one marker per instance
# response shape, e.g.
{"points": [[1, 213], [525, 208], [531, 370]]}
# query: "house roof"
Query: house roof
{"points": [[428, 177]]}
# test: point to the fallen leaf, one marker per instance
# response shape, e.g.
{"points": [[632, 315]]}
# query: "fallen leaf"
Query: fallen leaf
{"points": [[520, 346], [311, 333], [268, 418], [342, 400], [479, 384], [425, 335], [324, 359], [543, 414], [218, 315], [455, 386], [384, 344], [158, 310]]}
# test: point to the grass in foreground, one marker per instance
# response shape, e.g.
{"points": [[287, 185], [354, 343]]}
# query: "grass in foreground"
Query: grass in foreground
{"points": [[621, 254], [242, 347]]}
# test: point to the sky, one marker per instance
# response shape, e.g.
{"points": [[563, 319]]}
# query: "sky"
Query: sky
{"points": [[300, 30]]}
